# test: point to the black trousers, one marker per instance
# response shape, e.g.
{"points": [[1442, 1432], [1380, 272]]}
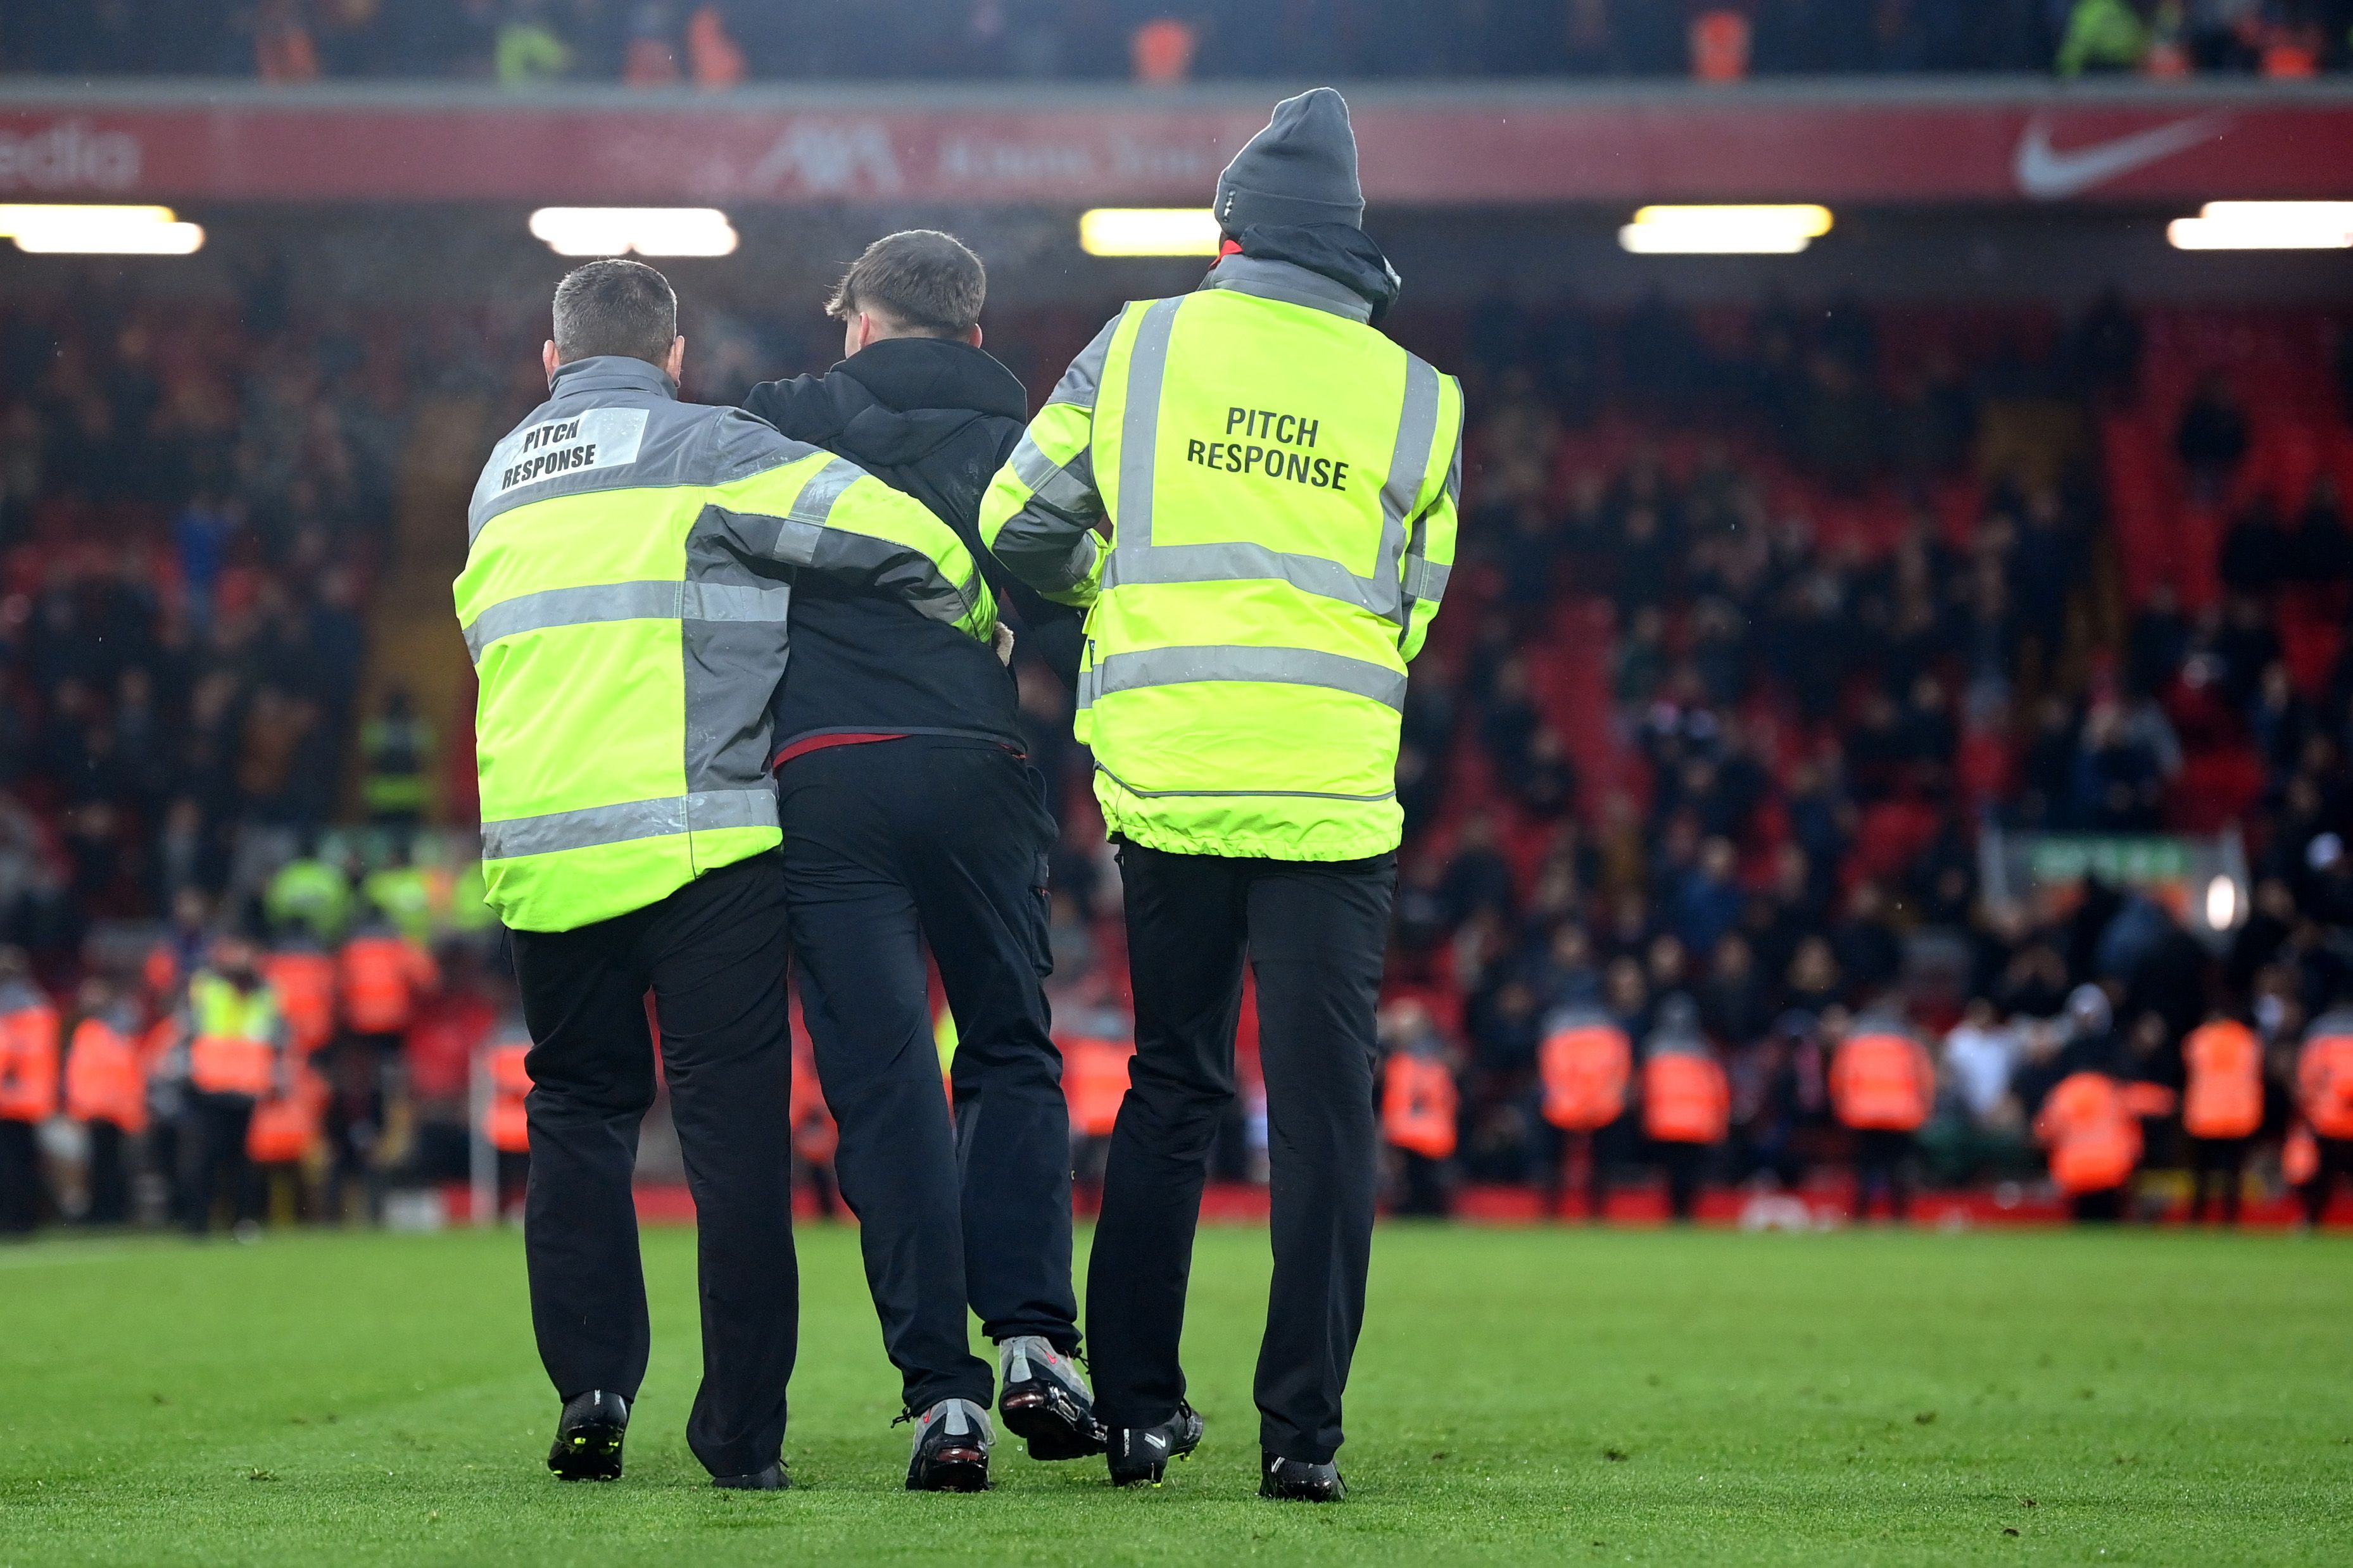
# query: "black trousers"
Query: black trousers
{"points": [[2336, 1160], [110, 1175], [212, 1143], [708, 952], [1883, 1160], [1314, 934], [1424, 1181], [1686, 1163], [2219, 1168], [1557, 1148], [889, 845], [20, 1177]]}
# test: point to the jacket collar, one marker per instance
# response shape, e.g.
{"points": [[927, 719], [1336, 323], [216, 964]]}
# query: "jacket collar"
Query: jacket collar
{"points": [[1289, 283], [1326, 267], [909, 373], [611, 373]]}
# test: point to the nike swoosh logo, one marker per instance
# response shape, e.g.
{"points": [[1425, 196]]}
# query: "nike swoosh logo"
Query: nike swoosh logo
{"points": [[1156, 1439], [2048, 175]]}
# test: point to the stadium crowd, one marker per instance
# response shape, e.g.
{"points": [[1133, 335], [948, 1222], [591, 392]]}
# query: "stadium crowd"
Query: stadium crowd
{"points": [[718, 43], [1763, 618]]}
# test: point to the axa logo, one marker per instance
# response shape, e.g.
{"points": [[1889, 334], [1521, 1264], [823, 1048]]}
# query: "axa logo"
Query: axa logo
{"points": [[69, 156], [2050, 174], [832, 158]]}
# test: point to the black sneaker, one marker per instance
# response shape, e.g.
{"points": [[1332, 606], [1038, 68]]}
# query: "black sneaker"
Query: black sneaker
{"points": [[951, 1443], [1045, 1402], [1296, 1480], [589, 1437], [771, 1480], [1142, 1453]]}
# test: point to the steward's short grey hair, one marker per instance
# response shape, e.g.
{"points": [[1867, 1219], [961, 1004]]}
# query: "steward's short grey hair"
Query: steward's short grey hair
{"points": [[615, 308], [919, 279]]}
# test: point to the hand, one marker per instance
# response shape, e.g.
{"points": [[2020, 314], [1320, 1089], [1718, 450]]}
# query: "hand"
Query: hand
{"points": [[1002, 643]]}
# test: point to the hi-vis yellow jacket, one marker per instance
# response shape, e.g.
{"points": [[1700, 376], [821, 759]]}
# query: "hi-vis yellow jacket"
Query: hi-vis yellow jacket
{"points": [[627, 579], [1278, 482]]}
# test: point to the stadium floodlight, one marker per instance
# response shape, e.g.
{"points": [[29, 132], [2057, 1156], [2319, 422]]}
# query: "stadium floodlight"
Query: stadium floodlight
{"points": [[1725, 230], [2264, 226], [1149, 231], [59, 229], [648, 231]]}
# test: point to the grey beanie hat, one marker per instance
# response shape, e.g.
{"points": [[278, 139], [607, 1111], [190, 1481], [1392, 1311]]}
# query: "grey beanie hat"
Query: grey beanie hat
{"points": [[1301, 169]]}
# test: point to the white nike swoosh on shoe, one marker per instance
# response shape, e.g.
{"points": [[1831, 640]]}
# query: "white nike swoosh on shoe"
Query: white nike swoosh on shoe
{"points": [[2047, 174], [1156, 1439]]}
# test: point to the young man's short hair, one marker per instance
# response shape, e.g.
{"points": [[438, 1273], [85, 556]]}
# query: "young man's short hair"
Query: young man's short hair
{"points": [[919, 279], [617, 307]]}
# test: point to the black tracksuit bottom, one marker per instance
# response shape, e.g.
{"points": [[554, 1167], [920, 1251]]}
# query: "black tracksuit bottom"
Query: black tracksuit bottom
{"points": [[708, 953], [213, 1144], [1883, 1162], [1314, 934], [2336, 1160], [20, 1177], [889, 845]]}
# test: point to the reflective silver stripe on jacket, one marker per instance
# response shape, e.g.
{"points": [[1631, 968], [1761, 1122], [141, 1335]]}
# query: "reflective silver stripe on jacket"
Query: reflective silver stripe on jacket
{"points": [[1232, 793], [604, 601], [1135, 559], [1053, 484], [591, 825], [803, 523], [1264, 666]]}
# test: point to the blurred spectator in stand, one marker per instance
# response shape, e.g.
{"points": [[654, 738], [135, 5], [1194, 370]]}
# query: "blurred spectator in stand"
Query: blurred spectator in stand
{"points": [[1420, 1104], [396, 750], [28, 1090], [2211, 439], [1883, 1088], [1686, 1103], [2102, 37], [529, 47], [1985, 1130], [650, 58]]}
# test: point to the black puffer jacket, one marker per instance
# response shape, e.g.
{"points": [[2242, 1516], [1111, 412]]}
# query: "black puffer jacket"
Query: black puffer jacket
{"points": [[935, 419]]}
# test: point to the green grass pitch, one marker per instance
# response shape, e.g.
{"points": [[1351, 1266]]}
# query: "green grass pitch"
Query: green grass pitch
{"points": [[1521, 1396]]}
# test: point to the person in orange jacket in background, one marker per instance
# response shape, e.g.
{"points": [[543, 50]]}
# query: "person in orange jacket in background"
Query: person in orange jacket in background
{"points": [[1883, 1088], [1686, 1101], [2222, 1109], [1095, 1081], [283, 1131], [817, 1137], [505, 1120], [2324, 1094], [232, 1055], [381, 974], [306, 978], [1587, 1065], [28, 1089], [1419, 1103], [2094, 1142], [106, 1091]]}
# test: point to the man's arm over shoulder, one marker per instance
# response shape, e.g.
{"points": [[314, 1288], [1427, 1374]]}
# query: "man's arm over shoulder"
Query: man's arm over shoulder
{"points": [[802, 407], [788, 507], [1430, 533], [1039, 515]]}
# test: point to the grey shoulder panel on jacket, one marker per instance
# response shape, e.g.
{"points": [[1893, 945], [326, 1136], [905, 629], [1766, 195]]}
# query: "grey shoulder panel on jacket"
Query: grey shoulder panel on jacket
{"points": [[572, 446]]}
